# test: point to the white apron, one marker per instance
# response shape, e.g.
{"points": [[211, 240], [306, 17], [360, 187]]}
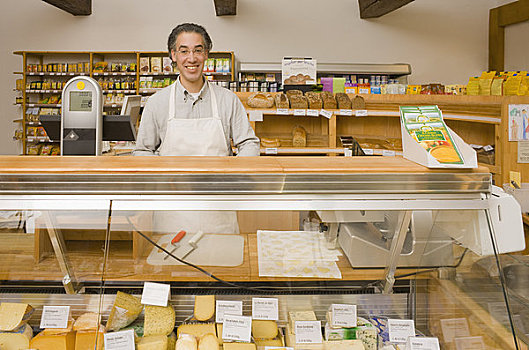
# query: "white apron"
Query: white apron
{"points": [[195, 137]]}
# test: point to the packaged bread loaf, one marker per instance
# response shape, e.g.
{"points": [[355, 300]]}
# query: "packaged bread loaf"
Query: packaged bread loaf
{"points": [[267, 143], [343, 101], [299, 102], [329, 102], [281, 100], [358, 102], [260, 100], [299, 137], [314, 98], [293, 92]]}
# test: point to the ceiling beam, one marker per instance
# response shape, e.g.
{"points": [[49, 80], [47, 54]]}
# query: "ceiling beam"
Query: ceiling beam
{"points": [[378, 8], [75, 7], [225, 7]]}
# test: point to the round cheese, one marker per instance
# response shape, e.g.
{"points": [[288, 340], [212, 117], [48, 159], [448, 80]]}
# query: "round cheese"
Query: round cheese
{"points": [[208, 342]]}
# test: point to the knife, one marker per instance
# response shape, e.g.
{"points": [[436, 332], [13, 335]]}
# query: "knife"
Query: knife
{"points": [[175, 242], [190, 246]]}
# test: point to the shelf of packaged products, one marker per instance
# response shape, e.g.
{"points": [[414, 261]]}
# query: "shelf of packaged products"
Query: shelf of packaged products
{"points": [[113, 105], [43, 91], [39, 139], [149, 91], [119, 91], [46, 105], [100, 74], [155, 74], [67, 74]]}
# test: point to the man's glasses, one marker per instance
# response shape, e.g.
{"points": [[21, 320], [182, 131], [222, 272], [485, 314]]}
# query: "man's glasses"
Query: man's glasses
{"points": [[199, 51]]}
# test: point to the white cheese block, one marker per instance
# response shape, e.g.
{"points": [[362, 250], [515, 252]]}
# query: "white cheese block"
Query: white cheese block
{"points": [[87, 321], [196, 329], [294, 316], [351, 344], [239, 346], [13, 315], [125, 310], [159, 320], [186, 342], [204, 307], [208, 342], [264, 329], [17, 339], [153, 342]]}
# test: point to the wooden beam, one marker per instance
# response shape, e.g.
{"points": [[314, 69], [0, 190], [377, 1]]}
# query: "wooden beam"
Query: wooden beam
{"points": [[75, 7], [378, 8], [225, 7]]}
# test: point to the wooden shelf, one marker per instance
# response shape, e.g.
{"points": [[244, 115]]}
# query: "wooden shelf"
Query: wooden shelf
{"points": [[104, 74], [119, 91], [43, 91], [63, 74], [46, 105]]}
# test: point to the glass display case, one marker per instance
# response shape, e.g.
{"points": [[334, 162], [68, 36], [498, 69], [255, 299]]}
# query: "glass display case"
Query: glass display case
{"points": [[393, 239]]}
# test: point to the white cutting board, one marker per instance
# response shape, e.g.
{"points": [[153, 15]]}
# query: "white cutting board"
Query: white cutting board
{"points": [[212, 250]]}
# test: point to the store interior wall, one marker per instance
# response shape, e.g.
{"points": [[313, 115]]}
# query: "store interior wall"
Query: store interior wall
{"points": [[444, 41]]}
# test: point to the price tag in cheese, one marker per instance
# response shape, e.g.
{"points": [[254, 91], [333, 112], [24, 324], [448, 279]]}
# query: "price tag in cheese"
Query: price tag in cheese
{"points": [[343, 315], [237, 328], [400, 330], [313, 112], [388, 153], [155, 294], [271, 150], [256, 116], [308, 332], [265, 309], [224, 307], [346, 112], [300, 112], [326, 114], [422, 343], [123, 340], [283, 111], [55, 317], [361, 113]]}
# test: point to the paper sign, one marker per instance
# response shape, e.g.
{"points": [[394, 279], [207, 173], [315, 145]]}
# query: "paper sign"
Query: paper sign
{"points": [[454, 327], [326, 114], [361, 113], [223, 307], [474, 343], [238, 328], [123, 340], [55, 317], [271, 150], [283, 111], [300, 112], [523, 151], [308, 332], [346, 112], [518, 122], [347, 152], [313, 112], [400, 330], [256, 116], [422, 343], [343, 315], [368, 151], [388, 153], [155, 294], [265, 309]]}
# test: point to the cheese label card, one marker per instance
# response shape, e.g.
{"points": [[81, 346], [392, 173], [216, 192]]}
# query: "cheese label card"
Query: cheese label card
{"points": [[256, 116], [422, 343], [271, 150], [283, 111], [454, 327], [347, 152], [55, 317], [400, 330], [123, 340], [156, 294], [313, 112], [326, 114], [474, 343], [308, 332], [238, 328], [361, 113], [343, 315], [346, 112], [368, 151], [300, 112], [225, 307], [388, 153], [265, 309]]}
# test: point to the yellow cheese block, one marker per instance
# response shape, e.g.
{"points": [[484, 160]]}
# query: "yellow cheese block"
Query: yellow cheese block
{"points": [[264, 329], [219, 332], [290, 341], [196, 329], [186, 342], [54, 341], [239, 346], [350, 344], [153, 342], [17, 339], [89, 339], [159, 320], [294, 316], [269, 342], [204, 307], [13, 315], [208, 342], [125, 310], [171, 341], [87, 321]]}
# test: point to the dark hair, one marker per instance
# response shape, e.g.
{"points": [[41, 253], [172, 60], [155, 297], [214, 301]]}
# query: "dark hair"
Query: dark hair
{"points": [[188, 28]]}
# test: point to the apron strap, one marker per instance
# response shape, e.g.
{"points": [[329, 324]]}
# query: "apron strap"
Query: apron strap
{"points": [[172, 97]]}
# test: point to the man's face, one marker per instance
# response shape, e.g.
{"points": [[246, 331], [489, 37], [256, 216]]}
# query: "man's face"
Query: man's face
{"points": [[190, 56]]}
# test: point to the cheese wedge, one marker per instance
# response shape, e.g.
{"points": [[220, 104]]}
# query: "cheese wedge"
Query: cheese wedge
{"points": [[159, 320], [153, 342], [53, 341], [208, 342], [239, 346], [125, 310], [196, 329], [264, 329], [219, 333], [13, 315], [87, 321], [186, 342], [89, 339], [204, 307], [294, 316], [17, 339], [171, 341]]}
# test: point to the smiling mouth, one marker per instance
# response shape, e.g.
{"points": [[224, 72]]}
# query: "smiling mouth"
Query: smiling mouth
{"points": [[192, 68]]}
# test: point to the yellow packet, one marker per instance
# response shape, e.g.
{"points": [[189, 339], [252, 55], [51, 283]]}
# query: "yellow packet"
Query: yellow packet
{"points": [[524, 86], [485, 82], [512, 85], [473, 86], [496, 88]]}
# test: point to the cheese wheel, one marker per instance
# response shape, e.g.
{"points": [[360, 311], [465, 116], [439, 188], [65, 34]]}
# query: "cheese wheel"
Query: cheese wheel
{"points": [[88, 320], [17, 339], [204, 307], [239, 346], [208, 342], [266, 329], [159, 320], [196, 329], [186, 342], [153, 342], [13, 315], [53, 341], [125, 310]]}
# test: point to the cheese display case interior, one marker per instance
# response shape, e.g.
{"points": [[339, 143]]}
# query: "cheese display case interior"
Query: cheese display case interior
{"points": [[392, 238]]}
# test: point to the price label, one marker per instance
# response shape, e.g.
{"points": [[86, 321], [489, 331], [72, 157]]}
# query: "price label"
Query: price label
{"points": [[256, 116], [105, 73], [55, 317], [400, 330], [283, 111], [343, 315], [123, 340], [388, 153], [31, 73], [300, 112], [238, 328], [454, 327], [326, 114], [488, 148], [368, 151], [308, 332], [346, 112], [223, 307], [361, 113], [52, 73], [347, 152], [313, 112], [271, 150], [422, 343], [474, 343], [265, 309], [155, 294]]}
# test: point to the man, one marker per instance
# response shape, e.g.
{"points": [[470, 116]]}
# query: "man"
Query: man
{"points": [[194, 118]]}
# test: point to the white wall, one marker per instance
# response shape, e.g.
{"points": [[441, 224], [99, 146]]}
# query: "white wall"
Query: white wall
{"points": [[444, 41]]}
